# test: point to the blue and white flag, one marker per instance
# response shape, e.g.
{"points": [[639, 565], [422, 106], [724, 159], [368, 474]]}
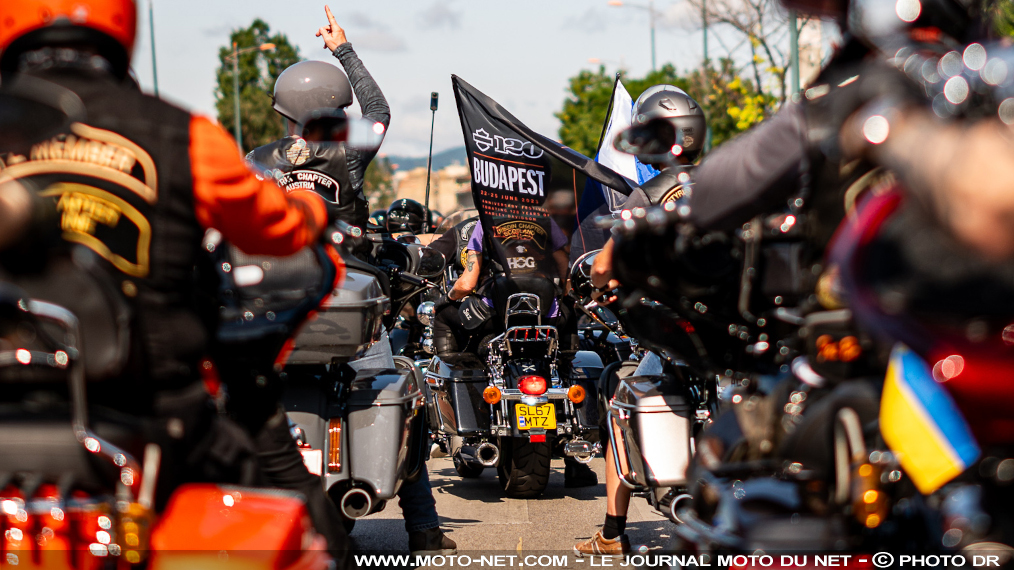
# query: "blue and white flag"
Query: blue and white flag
{"points": [[598, 200]]}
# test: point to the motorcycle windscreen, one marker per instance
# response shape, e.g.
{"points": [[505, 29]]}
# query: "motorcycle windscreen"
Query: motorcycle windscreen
{"points": [[524, 185]]}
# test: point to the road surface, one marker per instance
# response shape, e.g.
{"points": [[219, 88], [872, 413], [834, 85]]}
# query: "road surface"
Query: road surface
{"points": [[476, 515]]}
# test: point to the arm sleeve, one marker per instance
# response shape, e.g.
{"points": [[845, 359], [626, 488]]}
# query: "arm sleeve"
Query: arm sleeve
{"points": [[371, 99], [751, 173], [254, 215]]}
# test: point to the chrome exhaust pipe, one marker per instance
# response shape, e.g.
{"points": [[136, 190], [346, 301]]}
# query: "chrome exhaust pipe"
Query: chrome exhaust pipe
{"points": [[488, 454], [580, 450], [356, 503], [675, 505]]}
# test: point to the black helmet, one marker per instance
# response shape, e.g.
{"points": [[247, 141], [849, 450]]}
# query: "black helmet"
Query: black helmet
{"points": [[672, 105], [379, 218], [311, 90], [406, 215]]}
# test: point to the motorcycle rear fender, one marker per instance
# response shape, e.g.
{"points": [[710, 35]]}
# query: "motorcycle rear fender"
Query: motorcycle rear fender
{"points": [[271, 527]]}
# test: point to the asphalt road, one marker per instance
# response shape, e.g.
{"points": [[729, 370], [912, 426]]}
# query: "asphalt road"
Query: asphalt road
{"points": [[476, 515]]}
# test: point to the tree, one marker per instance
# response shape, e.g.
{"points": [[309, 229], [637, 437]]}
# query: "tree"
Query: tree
{"points": [[377, 182], [765, 28], [257, 73], [732, 104]]}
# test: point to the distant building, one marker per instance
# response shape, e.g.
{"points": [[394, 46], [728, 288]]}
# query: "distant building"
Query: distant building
{"points": [[450, 188]]}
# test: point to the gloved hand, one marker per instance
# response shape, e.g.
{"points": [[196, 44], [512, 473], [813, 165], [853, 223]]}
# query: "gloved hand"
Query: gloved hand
{"points": [[442, 302]]}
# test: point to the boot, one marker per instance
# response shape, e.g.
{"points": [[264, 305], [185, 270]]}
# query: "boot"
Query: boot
{"points": [[577, 474], [431, 541]]}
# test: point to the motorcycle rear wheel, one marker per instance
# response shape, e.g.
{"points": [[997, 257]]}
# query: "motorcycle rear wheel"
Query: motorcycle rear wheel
{"points": [[523, 470]]}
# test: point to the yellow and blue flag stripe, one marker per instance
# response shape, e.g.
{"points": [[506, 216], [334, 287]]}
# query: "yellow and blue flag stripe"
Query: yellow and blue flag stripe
{"points": [[922, 425]]}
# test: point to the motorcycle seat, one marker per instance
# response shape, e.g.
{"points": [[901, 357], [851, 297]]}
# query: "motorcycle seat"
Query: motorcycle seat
{"points": [[501, 288]]}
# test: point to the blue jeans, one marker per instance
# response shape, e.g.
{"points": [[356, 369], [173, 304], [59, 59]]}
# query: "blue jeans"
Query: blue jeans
{"points": [[415, 499]]}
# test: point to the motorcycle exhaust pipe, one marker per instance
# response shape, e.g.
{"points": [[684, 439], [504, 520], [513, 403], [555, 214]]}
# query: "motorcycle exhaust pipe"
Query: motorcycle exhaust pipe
{"points": [[674, 506], [580, 450], [357, 503], [488, 454]]}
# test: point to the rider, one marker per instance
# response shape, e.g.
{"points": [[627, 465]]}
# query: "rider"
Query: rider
{"points": [[301, 91], [660, 103], [138, 185], [406, 215], [336, 170]]}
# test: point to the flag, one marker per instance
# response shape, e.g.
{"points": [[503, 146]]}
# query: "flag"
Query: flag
{"points": [[922, 425], [598, 200], [514, 171]]}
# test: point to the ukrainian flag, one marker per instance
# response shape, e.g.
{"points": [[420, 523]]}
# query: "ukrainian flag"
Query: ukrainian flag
{"points": [[922, 425]]}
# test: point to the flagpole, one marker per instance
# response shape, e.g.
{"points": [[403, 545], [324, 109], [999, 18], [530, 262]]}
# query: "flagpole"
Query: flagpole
{"points": [[434, 99], [151, 29]]}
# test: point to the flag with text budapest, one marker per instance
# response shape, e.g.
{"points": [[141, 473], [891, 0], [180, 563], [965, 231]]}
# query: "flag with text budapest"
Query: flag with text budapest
{"points": [[515, 174]]}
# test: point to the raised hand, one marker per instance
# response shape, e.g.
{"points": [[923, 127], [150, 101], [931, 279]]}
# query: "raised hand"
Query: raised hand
{"points": [[333, 34]]}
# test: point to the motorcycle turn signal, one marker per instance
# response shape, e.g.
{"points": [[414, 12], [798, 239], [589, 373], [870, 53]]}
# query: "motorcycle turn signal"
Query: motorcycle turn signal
{"points": [[491, 395], [576, 394]]}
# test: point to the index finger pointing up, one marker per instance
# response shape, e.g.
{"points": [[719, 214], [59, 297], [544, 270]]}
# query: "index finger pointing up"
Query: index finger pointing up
{"points": [[330, 17]]}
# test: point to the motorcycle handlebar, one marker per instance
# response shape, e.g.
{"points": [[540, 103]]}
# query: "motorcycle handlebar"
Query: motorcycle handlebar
{"points": [[415, 280]]}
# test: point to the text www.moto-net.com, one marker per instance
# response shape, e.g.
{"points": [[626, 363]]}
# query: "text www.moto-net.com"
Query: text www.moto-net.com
{"points": [[877, 560]]}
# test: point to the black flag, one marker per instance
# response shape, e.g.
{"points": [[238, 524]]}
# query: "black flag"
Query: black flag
{"points": [[514, 171]]}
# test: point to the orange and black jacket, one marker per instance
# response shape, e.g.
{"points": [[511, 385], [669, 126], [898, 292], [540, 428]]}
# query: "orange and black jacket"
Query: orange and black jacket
{"points": [[138, 182]]}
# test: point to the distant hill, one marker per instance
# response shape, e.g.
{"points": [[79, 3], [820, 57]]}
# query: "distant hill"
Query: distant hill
{"points": [[441, 160]]}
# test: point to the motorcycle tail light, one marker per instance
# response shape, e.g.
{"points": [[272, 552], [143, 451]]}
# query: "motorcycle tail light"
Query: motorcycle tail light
{"points": [[576, 394], [334, 446], [491, 395], [532, 385]]}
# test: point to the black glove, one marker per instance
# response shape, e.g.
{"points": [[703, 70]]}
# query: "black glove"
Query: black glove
{"points": [[442, 302]]}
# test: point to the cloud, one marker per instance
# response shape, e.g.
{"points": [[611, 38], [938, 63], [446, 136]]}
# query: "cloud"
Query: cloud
{"points": [[592, 20], [378, 40], [681, 16], [439, 16], [358, 20]]}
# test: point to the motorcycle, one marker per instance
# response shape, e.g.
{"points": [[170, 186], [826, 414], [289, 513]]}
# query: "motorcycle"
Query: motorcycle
{"points": [[344, 422], [519, 398]]}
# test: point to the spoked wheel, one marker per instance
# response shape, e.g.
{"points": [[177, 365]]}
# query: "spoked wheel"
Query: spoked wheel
{"points": [[524, 467]]}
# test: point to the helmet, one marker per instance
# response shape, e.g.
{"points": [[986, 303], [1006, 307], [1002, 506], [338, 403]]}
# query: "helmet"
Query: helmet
{"points": [[379, 218], [406, 215], [310, 89], [672, 105], [109, 25]]}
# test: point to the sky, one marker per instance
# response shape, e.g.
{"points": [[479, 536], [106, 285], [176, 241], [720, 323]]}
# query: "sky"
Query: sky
{"points": [[521, 53]]}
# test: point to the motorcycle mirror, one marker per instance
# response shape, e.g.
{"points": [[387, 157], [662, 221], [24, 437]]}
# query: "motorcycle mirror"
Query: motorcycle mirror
{"points": [[431, 263], [653, 142], [583, 265], [362, 134], [32, 110]]}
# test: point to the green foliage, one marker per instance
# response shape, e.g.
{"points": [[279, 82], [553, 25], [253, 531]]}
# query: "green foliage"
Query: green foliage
{"points": [[257, 73], [1001, 12], [377, 183], [731, 103]]}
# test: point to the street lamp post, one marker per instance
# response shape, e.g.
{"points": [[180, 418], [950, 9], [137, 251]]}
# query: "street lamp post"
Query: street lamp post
{"points": [[238, 131], [650, 7]]}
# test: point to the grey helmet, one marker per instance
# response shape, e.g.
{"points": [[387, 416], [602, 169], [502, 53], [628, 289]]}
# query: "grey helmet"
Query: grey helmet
{"points": [[311, 89], [671, 104]]}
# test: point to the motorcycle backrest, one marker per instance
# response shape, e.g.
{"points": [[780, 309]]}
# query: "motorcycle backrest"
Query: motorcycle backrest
{"points": [[79, 284], [501, 289]]}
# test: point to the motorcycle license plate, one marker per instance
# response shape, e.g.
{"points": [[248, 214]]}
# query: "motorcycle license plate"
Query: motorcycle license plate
{"points": [[542, 416]]}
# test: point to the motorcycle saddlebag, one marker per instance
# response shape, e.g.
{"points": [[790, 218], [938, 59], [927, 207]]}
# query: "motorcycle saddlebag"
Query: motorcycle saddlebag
{"points": [[456, 383], [258, 528], [347, 321], [650, 425], [383, 405]]}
